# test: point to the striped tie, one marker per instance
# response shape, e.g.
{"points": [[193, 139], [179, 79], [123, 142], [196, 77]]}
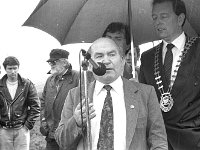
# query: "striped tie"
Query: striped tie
{"points": [[106, 134], [168, 62]]}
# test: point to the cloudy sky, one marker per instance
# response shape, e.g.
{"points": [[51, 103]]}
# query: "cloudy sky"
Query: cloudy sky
{"points": [[31, 46]]}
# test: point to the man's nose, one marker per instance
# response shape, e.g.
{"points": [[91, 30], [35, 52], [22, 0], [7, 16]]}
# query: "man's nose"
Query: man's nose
{"points": [[12, 70], [106, 60], [157, 21]]}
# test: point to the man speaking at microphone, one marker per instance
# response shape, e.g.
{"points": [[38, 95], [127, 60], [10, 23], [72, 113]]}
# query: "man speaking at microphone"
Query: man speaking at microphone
{"points": [[124, 115]]}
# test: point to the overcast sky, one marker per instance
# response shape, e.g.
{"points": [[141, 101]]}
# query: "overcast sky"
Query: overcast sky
{"points": [[31, 46]]}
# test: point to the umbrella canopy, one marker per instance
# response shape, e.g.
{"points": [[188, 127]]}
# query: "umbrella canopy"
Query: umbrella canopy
{"points": [[74, 21]]}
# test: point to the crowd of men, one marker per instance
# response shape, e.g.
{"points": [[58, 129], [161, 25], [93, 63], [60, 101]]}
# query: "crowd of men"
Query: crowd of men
{"points": [[159, 109]]}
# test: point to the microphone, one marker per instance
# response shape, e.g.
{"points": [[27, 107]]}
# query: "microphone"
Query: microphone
{"points": [[98, 68]]}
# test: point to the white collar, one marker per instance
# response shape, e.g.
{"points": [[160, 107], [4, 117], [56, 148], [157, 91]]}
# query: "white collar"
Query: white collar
{"points": [[179, 42], [115, 85]]}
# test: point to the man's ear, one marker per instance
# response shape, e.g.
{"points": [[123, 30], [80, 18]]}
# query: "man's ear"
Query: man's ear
{"points": [[181, 19]]}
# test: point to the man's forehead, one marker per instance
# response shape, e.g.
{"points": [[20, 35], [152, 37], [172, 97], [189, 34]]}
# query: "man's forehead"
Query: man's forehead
{"points": [[164, 7], [12, 66], [103, 44]]}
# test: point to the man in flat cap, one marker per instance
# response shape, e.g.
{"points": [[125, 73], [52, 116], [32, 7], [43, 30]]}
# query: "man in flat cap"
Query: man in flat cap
{"points": [[62, 79], [19, 107]]}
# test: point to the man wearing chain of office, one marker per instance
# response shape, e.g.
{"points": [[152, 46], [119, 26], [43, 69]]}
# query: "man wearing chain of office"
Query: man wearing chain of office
{"points": [[173, 68]]}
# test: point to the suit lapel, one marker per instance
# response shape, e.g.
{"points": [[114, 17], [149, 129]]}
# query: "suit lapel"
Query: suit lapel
{"points": [[182, 73], [130, 97]]}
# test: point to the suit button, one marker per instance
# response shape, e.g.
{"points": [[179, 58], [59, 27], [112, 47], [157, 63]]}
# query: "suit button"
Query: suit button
{"points": [[196, 83]]}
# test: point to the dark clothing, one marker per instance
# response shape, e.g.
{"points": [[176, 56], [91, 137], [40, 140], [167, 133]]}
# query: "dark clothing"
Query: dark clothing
{"points": [[52, 145], [127, 71], [183, 120], [52, 100], [23, 109]]}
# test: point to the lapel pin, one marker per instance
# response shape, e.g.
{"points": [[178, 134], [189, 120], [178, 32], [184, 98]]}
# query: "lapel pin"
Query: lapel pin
{"points": [[132, 106]]}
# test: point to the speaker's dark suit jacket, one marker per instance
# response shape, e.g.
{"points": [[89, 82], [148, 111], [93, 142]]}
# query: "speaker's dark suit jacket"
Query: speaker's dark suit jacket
{"points": [[183, 120], [145, 126]]}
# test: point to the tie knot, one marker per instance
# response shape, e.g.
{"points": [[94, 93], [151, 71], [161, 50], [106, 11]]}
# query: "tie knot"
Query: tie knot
{"points": [[170, 46], [107, 87]]}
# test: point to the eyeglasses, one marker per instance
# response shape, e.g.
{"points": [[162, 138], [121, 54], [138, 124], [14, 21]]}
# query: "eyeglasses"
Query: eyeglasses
{"points": [[52, 63]]}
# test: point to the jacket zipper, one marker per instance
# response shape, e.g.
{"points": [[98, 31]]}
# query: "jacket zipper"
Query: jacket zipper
{"points": [[9, 107], [17, 96], [9, 113]]}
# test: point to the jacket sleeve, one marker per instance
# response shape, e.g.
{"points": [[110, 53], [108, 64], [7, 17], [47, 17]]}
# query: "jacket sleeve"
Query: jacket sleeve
{"points": [[33, 104], [68, 134], [156, 133], [42, 101], [44, 129]]}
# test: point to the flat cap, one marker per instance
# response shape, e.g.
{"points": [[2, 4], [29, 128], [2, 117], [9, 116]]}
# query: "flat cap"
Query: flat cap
{"points": [[56, 54]]}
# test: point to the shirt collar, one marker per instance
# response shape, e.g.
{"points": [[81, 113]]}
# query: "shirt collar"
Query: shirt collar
{"points": [[115, 85], [178, 42]]}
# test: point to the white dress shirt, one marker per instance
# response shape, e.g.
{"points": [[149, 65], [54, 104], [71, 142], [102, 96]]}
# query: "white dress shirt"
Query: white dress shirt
{"points": [[119, 113], [179, 43]]}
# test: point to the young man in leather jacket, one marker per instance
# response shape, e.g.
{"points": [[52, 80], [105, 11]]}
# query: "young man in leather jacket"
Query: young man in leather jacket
{"points": [[19, 107]]}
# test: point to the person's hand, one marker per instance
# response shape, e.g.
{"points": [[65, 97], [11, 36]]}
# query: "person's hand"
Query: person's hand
{"points": [[77, 113]]}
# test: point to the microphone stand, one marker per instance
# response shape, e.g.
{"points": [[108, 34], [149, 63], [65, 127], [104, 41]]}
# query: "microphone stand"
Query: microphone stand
{"points": [[85, 69]]}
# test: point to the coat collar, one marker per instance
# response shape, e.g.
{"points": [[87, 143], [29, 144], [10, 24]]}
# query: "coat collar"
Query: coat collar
{"points": [[4, 89], [181, 77], [21, 81], [131, 98]]}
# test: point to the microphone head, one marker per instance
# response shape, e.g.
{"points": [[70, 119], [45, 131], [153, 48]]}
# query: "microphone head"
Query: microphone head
{"points": [[101, 70]]}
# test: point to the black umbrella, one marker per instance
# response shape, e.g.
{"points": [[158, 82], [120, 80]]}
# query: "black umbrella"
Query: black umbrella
{"points": [[74, 21]]}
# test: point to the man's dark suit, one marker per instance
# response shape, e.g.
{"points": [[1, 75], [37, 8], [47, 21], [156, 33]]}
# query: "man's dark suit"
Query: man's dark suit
{"points": [[183, 120], [145, 127]]}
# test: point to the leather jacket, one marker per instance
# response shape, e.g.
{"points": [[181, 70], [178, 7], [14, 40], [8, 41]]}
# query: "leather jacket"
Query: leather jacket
{"points": [[23, 109]]}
